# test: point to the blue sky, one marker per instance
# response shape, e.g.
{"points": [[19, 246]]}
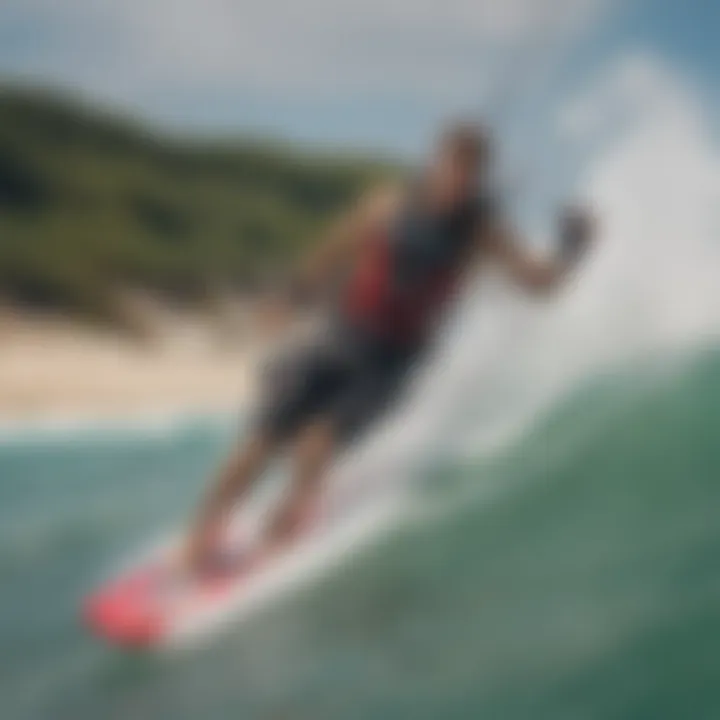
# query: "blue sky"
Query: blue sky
{"points": [[685, 32], [373, 73]]}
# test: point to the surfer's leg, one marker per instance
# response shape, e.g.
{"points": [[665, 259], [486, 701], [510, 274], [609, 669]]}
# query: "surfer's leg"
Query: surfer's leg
{"points": [[360, 403], [313, 453], [238, 474], [293, 395]]}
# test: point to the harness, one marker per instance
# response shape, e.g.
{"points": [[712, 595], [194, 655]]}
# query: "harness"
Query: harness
{"points": [[407, 273]]}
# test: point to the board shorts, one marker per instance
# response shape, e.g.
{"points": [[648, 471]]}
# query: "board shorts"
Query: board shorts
{"points": [[341, 375]]}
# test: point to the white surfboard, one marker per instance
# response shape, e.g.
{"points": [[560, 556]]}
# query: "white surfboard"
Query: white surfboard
{"points": [[150, 605]]}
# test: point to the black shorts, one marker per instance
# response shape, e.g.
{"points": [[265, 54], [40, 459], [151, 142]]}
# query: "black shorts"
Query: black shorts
{"points": [[342, 375]]}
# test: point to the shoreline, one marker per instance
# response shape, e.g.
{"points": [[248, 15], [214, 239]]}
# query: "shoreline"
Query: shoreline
{"points": [[55, 373], [150, 423]]}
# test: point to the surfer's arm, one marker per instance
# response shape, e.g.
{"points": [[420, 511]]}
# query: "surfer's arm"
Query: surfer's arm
{"points": [[337, 250], [531, 272], [310, 281]]}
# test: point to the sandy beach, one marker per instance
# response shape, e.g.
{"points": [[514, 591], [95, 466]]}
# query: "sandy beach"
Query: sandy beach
{"points": [[56, 368]]}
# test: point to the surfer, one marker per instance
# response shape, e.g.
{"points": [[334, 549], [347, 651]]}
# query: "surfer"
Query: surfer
{"points": [[406, 252]]}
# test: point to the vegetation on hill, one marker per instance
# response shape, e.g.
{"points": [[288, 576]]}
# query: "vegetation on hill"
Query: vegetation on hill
{"points": [[92, 204]]}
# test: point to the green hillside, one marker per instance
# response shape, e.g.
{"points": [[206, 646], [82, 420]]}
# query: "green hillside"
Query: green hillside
{"points": [[91, 204]]}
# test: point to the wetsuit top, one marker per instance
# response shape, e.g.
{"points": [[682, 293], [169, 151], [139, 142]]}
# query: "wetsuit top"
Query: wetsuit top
{"points": [[408, 272]]}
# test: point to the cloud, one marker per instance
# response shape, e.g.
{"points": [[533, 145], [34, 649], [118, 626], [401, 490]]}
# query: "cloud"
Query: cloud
{"points": [[420, 49]]}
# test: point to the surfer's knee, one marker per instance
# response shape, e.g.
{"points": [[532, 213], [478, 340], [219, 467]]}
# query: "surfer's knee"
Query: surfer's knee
{"points": [[314, 449]]}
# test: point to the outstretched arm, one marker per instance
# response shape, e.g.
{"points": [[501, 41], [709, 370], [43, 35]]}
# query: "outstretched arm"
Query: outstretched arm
{"points": [[536, 275]]}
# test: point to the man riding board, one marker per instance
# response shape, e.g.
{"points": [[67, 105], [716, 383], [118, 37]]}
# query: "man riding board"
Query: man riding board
{"points": [[408, 250]]}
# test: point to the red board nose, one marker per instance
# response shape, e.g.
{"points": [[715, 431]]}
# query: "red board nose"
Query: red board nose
{"points": [[115, 619]]}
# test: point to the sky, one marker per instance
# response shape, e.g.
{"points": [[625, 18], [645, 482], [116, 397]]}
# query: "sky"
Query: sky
{"points": [[376, 73]]}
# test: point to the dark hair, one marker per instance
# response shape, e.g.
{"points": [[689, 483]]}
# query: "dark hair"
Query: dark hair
{"points": [[467, 141]]}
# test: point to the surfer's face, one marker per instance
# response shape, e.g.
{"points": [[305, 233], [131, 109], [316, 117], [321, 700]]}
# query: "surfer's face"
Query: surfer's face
{"points": [[455, 176], [460, 163]]}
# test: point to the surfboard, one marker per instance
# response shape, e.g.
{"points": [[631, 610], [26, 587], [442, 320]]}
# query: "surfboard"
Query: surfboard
{"points": [[151, 604]]}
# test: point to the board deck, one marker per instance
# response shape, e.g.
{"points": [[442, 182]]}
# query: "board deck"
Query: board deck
{"points": [[145, 605], [151, 604]]}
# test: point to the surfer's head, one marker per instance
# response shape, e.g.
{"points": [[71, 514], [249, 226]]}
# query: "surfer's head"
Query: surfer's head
{"points": [[461, 160]]}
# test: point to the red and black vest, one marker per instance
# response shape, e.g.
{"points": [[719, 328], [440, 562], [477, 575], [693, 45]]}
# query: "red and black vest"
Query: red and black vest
{"points": [[407, 273]]}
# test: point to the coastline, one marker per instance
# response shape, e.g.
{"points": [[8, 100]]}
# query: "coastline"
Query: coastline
{"points": [[56, 373]]}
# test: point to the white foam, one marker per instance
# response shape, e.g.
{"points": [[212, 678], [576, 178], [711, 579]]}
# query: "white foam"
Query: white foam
{"points": [[62, 428]]}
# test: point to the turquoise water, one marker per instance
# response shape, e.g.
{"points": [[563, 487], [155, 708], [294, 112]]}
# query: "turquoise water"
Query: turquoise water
{"points": [[585, 586]]}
